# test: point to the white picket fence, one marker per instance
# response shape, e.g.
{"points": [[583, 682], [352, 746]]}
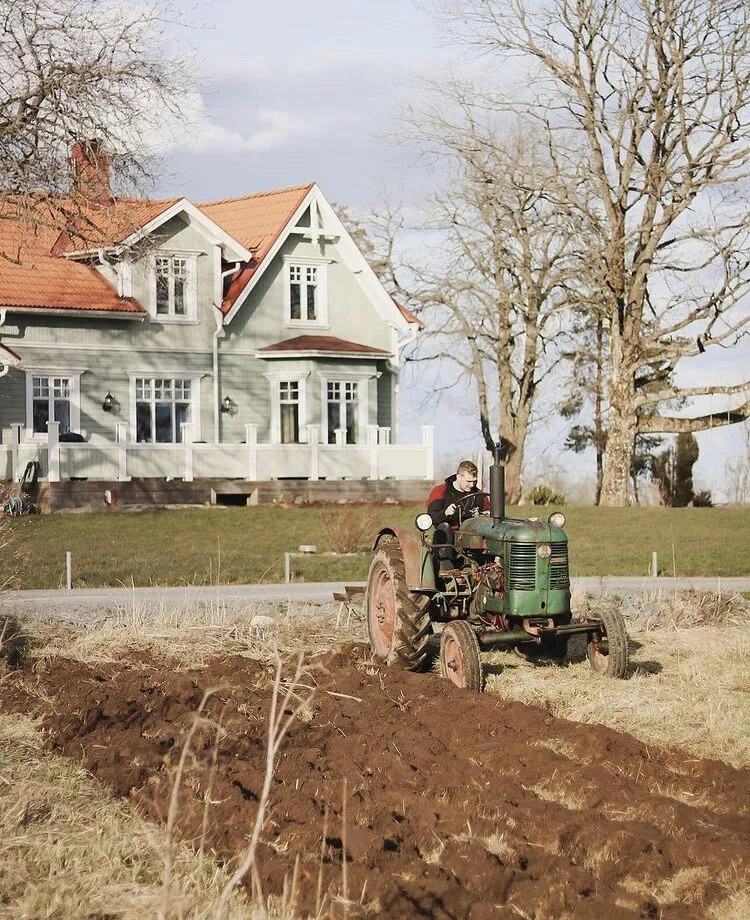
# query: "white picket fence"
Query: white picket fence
{"points": [[123, 460]]}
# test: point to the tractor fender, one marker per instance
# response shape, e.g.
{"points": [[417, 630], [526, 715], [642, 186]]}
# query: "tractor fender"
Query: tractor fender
{"points": [[417, 560]]}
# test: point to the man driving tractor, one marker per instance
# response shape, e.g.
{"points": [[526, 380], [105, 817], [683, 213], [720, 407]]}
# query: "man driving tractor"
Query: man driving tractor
{"points": [[451, 502], [458, 497]]}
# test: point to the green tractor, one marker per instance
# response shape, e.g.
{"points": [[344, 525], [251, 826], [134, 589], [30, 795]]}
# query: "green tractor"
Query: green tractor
{"points": [[506, 586]]}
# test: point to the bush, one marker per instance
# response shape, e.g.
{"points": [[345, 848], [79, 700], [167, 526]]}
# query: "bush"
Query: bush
{"points": [[349, 528], [545, 495], [703, 499]]}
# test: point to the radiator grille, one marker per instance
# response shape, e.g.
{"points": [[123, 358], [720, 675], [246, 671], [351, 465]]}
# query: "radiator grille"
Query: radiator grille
{"points": [[522, 576], [559, 576]]}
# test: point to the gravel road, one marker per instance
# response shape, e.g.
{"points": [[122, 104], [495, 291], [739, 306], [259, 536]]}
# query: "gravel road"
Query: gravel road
{"points": [[87, 603]]}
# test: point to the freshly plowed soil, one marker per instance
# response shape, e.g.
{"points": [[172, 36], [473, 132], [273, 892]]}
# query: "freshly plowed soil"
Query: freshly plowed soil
{"points": [[457, 805]]}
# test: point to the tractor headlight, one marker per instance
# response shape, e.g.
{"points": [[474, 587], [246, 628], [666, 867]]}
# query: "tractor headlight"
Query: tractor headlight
{"points": [[423, 522], [556, 519], [544, 550]]}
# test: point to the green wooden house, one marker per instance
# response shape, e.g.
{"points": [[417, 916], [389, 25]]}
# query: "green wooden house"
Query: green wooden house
{"points": [[242, 338]]}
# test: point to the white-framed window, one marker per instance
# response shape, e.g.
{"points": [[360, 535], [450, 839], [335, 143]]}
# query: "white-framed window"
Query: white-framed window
{"points": [[342, 410], [288, 407], [173, 288], [52, 396], [50, 402], [160, 407], [305, 291], [344, 400], [289, 415]]}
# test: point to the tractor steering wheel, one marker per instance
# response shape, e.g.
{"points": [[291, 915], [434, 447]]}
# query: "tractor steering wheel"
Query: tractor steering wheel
{"points": [[469, 495], [458, 502]]}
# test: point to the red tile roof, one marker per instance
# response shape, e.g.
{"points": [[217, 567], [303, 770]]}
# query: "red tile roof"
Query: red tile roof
{"points": [[31, 276], [35, 274], [322, 343], [110, 223], [255, 221]]}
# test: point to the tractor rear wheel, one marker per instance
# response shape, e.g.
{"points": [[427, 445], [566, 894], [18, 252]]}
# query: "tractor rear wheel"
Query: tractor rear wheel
{"points": [[607, 650], [459, 656], [398, 627]]}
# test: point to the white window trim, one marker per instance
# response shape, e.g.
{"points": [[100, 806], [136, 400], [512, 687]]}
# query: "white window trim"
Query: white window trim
{"points": [[307, 262], [274, 379], [191, 258], [195, 400], [75, 397], [361, 378]]}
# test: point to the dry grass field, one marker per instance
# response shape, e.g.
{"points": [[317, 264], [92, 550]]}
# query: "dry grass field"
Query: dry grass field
{"points": [[103, 791]]}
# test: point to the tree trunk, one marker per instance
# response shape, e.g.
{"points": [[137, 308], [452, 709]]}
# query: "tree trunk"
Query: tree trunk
{"points": [[621, 431], [514, 428], [513, 468], [600, 439]]}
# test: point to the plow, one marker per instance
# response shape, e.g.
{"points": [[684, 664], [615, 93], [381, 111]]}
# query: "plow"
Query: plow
{"points": [[493, 583]]}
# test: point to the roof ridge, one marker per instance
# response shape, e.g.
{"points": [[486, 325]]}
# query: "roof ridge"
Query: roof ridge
{"points": [[130, 198], [274, 191]]}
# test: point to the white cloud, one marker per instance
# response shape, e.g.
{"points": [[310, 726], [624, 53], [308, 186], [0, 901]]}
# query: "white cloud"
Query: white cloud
{"points": [[198, 132]]}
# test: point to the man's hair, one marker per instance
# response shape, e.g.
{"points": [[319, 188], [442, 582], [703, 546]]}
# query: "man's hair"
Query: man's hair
{"points": [[467, 466]]}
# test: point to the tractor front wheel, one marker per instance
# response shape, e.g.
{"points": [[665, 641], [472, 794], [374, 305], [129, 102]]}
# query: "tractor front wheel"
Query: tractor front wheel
{"points": [[398, 627], [459, 656], [607, 648]]}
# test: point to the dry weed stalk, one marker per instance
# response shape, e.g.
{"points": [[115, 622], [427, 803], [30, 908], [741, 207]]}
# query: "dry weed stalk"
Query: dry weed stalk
{"points": [[285, 698], [220, 733], [174, 799]]}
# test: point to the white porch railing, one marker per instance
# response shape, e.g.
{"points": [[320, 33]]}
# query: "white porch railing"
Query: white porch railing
{"points": [[122, 460]]}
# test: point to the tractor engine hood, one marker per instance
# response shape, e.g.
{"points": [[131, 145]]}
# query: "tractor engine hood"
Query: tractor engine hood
{"points": [[483, 533]]}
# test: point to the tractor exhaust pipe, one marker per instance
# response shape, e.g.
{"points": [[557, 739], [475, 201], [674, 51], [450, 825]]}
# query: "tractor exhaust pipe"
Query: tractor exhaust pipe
{"points": [[497, 488]]}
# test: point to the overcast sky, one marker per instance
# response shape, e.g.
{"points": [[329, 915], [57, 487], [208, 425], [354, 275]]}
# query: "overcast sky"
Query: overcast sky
{"points": [[297, 91]]}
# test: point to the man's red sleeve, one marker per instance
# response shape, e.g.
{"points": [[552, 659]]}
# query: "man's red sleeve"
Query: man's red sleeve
{"points": [[436, 503], [438, 493]]}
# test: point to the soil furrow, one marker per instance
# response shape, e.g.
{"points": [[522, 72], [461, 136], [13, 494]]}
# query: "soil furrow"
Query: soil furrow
{"points": [[457, 805]]}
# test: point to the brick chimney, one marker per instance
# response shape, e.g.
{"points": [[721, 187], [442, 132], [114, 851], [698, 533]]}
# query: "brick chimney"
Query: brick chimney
{"points": [[90, 171]]}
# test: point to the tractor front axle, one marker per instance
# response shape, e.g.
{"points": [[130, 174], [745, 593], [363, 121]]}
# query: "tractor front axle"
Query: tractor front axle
{"points": [[493, 638]]}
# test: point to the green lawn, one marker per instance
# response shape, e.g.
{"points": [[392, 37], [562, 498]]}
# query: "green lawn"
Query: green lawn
{"points": [[246, 545]]}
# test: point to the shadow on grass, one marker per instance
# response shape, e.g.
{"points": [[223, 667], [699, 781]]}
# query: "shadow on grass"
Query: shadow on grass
{"points": [[576, 655]]}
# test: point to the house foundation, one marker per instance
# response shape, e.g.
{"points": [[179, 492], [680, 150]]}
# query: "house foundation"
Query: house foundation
{"points": [[141, 494]]}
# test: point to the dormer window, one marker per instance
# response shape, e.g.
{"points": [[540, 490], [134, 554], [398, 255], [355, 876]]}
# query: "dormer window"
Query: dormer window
{"points": [[305, 297], [173, 289]]}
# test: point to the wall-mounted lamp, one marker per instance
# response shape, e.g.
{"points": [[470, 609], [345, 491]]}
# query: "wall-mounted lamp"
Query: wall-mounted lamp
{"points": [[227, 404], [109, 402]]}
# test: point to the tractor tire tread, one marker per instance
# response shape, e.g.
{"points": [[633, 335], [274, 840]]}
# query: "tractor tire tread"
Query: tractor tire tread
{"points": [[467, 639], [413, 624], [617, 639]]}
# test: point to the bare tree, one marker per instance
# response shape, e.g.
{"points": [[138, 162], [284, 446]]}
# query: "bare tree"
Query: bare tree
{"points": [[86, 72], [658, 92], [492, 284]]}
